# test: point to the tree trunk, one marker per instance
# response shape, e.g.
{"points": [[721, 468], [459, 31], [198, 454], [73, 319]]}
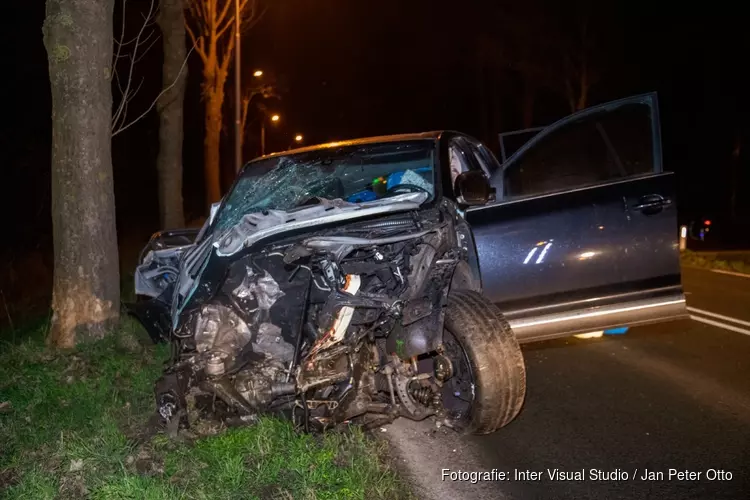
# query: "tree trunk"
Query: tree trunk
{"points": [[86, 288], [214, 100], [171, 20]]}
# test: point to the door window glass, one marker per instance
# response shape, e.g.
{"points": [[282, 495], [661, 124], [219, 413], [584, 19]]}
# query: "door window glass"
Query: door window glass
{"points": [[597, 148]]}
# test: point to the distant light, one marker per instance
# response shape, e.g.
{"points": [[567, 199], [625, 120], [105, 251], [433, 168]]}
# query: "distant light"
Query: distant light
{"points": [[541, 243], [707, 222], [298, 137], [258, 73], [683, 232], [601, 227], [275, 118], [586, 255]]}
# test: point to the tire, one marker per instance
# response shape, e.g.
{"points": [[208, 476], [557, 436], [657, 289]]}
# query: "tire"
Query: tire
{"points": [[494, 359]]}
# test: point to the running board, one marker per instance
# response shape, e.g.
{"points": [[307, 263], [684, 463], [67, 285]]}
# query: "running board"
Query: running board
{"points": [[584, 320]]}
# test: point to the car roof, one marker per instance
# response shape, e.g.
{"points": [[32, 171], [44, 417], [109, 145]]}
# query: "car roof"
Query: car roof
{"points": [[434, 135]]}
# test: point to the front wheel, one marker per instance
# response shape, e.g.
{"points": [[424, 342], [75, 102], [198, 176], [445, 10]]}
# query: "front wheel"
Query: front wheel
{"points": [[484, 371]]}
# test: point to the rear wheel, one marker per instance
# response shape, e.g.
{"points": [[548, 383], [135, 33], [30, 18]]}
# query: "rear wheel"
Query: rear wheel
{"points": [[485, 375]]}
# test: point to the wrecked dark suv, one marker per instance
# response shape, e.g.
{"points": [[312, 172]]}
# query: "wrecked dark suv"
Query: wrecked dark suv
{"points": [[335, 283], [358, 281]]}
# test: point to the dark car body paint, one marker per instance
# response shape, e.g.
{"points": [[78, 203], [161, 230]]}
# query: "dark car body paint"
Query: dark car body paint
{"points": [[631, 250], [607, 257], [603, 252]]}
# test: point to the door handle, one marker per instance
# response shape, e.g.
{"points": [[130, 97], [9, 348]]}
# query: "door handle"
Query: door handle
{"points": [[652, 203]]}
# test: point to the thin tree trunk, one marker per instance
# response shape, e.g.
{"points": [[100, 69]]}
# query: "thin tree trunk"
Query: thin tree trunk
{"points": [[211, 144], [86, 289], [171, 20]]}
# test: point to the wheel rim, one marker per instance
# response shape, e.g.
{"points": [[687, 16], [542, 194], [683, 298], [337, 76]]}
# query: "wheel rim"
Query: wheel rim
{"points": [[458, 390]]}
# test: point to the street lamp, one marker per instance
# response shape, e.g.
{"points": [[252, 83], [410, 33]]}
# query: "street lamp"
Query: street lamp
{"points": [[298, 138], [258, 73], [275, 119]]}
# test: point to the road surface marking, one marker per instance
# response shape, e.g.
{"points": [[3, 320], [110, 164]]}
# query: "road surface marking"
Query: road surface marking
{"points": [[721, 325], [719, 316], [730, 273]]}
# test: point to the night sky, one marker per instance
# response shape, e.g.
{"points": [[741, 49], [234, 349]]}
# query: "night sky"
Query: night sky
{"points": [[354, 68]]}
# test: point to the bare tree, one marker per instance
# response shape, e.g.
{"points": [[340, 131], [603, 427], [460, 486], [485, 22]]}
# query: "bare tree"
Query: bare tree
{"points": [[132, 50], [86, 287], [169, 103], [171, 20], [210, 26]]}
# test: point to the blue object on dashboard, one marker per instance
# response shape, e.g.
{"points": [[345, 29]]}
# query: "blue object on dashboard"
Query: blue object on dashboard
{"points": [[362, 196], [395, 178], [616, 331]]}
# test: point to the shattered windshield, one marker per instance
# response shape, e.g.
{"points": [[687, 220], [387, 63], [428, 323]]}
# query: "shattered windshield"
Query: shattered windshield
{"points": [[357, 174]]}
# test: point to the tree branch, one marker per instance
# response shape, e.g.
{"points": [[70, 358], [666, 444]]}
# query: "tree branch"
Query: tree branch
{"points": [[127, 94], [164, 91], [119, 45], [198, 44], [228, 51], [223, 29], [145, 51], [190, 4], [223, 14]]}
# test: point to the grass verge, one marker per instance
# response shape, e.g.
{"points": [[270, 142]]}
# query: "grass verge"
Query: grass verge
{"points": [[73, 425], [738, 263]]}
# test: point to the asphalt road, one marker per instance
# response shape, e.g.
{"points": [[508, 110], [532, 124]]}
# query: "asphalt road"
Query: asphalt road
{"points": [[670, 396]]}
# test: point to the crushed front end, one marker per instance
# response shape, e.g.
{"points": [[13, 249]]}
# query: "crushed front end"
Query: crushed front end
{"points": [[338, 324]]}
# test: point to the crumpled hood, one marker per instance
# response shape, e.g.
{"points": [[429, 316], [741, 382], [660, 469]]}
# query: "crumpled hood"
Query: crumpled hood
{"points": [[256, 226]]}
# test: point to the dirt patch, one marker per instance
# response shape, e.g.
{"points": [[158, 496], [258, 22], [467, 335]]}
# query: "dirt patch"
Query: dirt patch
{"points": [[139, 432], [146, 462], [73, 486], [8, 478], [343, 458], [77, 369], [275, 493]]}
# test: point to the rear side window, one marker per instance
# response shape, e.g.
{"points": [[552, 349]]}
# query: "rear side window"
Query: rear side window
{"points": [[597, 148]]}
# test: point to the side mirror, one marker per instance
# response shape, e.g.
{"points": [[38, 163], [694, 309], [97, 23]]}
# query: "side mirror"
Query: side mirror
{"points": [[472, 188]]}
